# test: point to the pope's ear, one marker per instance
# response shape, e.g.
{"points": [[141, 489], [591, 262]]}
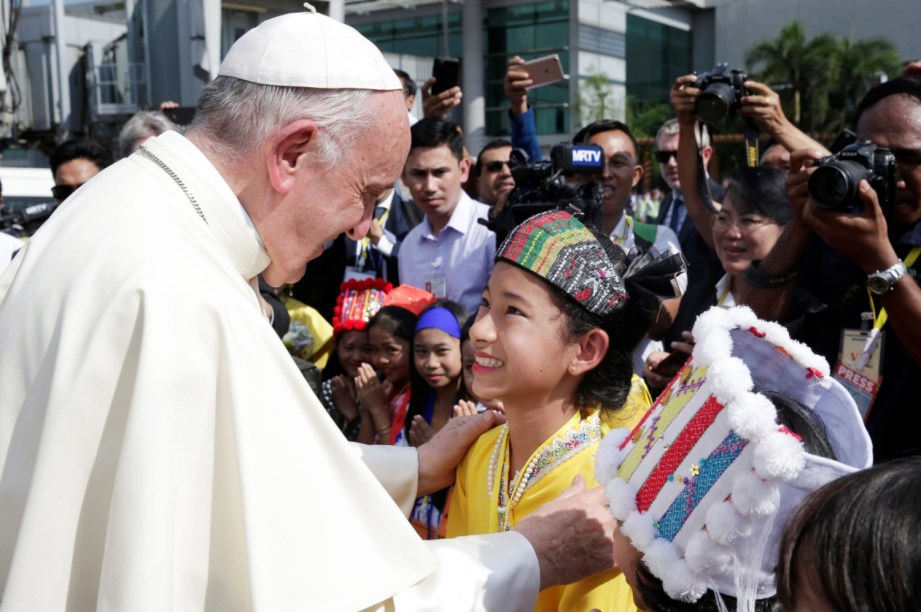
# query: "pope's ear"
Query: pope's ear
{"points": [[288, 152]]}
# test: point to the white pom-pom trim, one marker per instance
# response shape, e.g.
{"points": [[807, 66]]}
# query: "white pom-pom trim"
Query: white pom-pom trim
{"points": [[682, 584], [641, 530], [621, 498], [725, 525], [753, 496], [705, 556], [661, 557], [729, 378], [752, 416], [779, 456], [609, 456]]}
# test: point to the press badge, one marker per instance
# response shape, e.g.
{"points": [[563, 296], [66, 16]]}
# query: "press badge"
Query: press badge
{"points": [[858, 366], [436, 284]]}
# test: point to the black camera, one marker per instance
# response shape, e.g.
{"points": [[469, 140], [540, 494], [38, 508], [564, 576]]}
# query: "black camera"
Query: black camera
{"points": [[541, 186], [721, 92], [833, 185], [23, 223]]}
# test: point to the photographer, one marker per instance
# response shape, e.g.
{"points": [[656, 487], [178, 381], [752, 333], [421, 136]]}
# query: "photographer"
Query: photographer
{"points": [[840, 255], [762, 104]]}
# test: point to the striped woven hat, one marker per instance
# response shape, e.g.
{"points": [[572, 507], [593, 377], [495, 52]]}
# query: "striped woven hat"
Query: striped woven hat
{"points": [[556, 246], [704, 483]]}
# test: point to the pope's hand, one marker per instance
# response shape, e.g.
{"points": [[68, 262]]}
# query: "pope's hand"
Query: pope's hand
{"points": [[439, 457], [573, 535]]}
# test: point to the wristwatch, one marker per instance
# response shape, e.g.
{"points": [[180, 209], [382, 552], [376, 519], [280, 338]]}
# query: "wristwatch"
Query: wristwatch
{"points": [[881, 282]]}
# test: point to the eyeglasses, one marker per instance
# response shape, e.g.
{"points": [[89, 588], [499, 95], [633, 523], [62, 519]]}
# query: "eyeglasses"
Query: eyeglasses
{"points": [[495, 166], [746, 224], [663, 156], [62, 192]]}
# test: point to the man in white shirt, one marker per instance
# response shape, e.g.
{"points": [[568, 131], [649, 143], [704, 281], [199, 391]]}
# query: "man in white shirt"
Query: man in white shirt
{"points": [[450, 253], [159, 449], [621, 174]]}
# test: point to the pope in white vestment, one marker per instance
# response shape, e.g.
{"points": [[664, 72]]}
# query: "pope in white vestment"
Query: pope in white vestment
{"points": [[158, 448]]}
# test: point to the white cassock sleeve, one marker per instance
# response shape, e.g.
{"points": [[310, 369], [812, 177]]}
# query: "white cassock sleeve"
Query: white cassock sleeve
{"points": [[497, 571]]}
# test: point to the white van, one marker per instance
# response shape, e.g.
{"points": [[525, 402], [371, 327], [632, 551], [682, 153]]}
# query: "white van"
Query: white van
{"points": [[24, 187]]}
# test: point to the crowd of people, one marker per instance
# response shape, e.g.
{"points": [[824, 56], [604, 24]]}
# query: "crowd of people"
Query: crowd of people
{"points": [[316, 359]]}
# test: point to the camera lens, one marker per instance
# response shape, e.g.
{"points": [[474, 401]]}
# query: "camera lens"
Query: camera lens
{"points": [[834, 185], [713, 103]]}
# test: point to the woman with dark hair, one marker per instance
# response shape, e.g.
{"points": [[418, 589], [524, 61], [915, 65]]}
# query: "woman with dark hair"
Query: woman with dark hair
{"points": [[852, 545], [753, 215]]}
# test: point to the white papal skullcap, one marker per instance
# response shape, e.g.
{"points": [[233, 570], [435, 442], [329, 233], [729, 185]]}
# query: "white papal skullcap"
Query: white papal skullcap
{"points": [[309, 50]]}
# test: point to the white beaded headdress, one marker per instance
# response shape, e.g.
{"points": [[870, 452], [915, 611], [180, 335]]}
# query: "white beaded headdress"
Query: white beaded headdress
{"points": [[704, 484]]}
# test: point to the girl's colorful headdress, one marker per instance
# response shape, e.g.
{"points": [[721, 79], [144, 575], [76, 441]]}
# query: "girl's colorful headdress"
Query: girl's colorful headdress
{"points": [[410, 298], [358, 301], [704, 484], [560, 249]]}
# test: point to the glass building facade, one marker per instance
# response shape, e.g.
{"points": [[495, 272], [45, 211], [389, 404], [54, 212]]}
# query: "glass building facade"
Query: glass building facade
{"points": [[531, 31], [656, 53], [423, 36]]}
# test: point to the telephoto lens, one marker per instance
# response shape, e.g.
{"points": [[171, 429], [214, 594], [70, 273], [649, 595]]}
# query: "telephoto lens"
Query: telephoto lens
{"points": [[714, 102], [834, 186]]}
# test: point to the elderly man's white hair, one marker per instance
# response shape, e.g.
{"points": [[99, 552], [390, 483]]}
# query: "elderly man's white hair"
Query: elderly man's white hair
{"points": [[237, 116], [141, 126], [700, 132]]}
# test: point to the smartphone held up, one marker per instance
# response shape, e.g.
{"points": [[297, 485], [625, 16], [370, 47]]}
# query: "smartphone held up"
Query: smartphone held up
{"points": [[446, 71], [544, 70]]}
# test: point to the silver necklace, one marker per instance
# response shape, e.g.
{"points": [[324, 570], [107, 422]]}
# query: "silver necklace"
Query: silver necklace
{"points": [[169, 171]]}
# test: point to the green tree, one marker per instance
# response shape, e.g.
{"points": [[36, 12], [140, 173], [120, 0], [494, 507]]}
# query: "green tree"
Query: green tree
{"points": [[796, 66], [596, 99], [860, 65], [820, 80]]}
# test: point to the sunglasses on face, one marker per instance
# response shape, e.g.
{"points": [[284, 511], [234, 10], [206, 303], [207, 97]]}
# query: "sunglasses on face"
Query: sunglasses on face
{"points": [[495, 166], [62, 192], [663, 156]]}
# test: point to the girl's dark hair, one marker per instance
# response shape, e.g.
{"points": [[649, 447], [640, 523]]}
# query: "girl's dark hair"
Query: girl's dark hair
{"points": [[395, 320], [656, 599], [608, 384], [804, 423], [854, 542], [420, 390], [760, 190]]}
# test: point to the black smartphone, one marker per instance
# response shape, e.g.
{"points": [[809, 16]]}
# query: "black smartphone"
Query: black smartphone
{"points": [[446, 71], [181, 115], [675, 359]]}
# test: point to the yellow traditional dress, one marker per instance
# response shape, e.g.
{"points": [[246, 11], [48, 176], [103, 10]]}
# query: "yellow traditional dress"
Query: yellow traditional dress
{"points": [[484, 501]]}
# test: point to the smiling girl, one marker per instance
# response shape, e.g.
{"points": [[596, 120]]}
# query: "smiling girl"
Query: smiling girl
{"points": [[437, 381], [550, 343], [437, 384], [386, 401]]}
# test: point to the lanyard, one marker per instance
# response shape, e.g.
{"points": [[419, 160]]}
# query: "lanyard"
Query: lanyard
{"points": [[366, 242], [872, 341], [628, 224]]}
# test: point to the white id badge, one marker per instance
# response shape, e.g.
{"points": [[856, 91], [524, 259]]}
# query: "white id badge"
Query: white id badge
{"points": [[436, 284]]}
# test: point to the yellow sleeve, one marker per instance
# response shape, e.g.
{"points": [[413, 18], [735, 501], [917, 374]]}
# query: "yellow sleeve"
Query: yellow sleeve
{"points": [[457, 509]]}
